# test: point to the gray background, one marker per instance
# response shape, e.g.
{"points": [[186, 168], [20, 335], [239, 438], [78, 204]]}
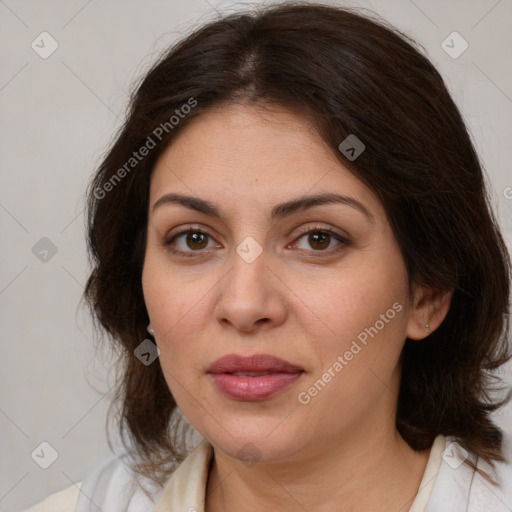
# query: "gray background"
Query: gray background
{"points": [[58, 115]]}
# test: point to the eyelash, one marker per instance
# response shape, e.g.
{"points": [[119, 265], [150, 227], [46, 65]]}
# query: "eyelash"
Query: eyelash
{"points": [[344, 242]]}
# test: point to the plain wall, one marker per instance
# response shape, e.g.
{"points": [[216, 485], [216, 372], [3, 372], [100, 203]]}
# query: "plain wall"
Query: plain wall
{"points": [[57, 117]]}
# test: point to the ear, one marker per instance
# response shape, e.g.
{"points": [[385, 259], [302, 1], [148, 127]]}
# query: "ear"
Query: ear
{"points": [[429, 308]]}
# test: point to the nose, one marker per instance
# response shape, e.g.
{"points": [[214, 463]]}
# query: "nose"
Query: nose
{"points": [[251, 296]]}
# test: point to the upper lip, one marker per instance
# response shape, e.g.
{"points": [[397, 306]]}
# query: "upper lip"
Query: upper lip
{"points": [[256, 363]]}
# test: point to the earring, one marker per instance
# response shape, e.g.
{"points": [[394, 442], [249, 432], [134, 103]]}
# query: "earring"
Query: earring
{"points": [[427, 327], [150, 329]]}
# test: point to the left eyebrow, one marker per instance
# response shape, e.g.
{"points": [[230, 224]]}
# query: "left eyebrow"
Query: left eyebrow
{"points": [[279, 211]]}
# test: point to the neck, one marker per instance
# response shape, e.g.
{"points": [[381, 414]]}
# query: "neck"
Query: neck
{"points": [[368, 471]]}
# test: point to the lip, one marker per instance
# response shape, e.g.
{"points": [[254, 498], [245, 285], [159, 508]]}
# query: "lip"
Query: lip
{"points": [[265, 376]]}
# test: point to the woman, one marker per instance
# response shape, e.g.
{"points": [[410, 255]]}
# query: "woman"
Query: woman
{"points": [[292, 246]]}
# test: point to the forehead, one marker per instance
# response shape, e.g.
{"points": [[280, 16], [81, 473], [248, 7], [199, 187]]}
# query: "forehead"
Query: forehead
{"points": [[252, 155]]}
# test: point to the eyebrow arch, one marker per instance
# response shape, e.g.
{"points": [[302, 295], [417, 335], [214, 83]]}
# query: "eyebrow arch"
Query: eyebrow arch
{"points": [[279, 211]]}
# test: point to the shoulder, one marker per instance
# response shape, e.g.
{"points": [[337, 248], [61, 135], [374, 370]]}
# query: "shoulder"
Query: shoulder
{"points": [[112, 485], [109, 485], [484, 495], [61, 501], [459, 488]]}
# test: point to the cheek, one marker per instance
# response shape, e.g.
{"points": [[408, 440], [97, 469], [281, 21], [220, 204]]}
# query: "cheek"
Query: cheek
{"points": [[178, 315], [351, 301], [362, 317], [358, 351], [167, 297]]}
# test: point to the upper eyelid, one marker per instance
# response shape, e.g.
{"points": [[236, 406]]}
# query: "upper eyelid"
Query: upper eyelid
{"points": [[304, 231]]}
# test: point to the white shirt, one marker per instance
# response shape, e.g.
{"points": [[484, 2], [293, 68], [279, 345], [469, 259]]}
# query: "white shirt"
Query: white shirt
{"points": [[447, 485]]}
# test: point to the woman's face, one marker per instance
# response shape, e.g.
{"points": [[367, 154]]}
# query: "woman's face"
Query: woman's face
{"points": [[333, 304]]}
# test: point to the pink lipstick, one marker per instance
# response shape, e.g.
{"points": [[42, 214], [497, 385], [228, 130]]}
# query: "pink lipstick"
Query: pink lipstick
{"points": [[252, 378]]}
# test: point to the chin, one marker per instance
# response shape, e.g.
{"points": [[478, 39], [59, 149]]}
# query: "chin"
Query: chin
{"points": [[255, 440]]}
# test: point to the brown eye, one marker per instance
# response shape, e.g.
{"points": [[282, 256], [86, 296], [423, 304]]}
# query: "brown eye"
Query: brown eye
{"points": [[319, 239], [196, 240], [188, 242], [193, 241]]}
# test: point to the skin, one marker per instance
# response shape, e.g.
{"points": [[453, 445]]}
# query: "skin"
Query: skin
{"points": [[341, 451]]}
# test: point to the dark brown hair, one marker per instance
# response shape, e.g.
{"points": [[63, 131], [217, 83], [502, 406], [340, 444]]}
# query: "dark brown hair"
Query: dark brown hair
{"points": [[347, 74]]}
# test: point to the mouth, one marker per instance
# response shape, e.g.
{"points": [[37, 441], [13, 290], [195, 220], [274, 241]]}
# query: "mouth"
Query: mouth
{"points": [[255, 364], [253, 378], [249, 374]]}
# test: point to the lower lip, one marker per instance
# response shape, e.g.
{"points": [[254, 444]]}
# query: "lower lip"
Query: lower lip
{"points": [[250, 389]]}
